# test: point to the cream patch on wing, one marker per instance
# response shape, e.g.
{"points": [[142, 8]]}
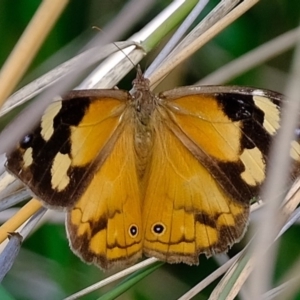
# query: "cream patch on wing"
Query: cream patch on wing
{"points": [[27, 157], [47, 127], [295, 150], [271, 111], [59, 169], [254, 166]]}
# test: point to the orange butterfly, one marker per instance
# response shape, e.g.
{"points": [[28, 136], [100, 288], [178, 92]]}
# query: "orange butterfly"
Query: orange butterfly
{"points": [[169, 175]]}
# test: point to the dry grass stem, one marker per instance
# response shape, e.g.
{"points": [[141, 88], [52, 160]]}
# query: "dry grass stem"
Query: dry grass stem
{"points": [[28, 45]]}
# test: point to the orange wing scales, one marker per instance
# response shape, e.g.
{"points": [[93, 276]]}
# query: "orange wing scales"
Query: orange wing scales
{"points": [[169, 176], [185, 211], [105, 225]]}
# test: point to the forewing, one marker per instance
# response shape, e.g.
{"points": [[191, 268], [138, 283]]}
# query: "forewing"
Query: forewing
{"points": [[57, 159], [230, 133]]}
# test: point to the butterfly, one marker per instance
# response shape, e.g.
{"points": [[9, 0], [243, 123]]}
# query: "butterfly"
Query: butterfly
{"points": [[169, 176]]}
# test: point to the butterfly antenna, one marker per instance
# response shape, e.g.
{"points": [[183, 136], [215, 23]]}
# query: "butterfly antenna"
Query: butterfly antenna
{"points": [[120, 49], [139, 82]]}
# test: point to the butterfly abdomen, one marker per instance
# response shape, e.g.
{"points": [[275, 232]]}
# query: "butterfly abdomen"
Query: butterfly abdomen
{"points": [[143, 144]]}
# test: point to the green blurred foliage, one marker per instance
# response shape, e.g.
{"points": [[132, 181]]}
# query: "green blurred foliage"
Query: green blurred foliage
{"points": [[46, 264]]}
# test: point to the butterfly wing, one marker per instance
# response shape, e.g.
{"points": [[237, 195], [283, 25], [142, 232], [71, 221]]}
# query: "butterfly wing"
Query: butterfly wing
{"points": [[209, 160], [108, 232], [58, 158], [75, 160]]}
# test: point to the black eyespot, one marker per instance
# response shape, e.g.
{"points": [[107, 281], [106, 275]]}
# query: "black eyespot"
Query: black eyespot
{"points": [[26, 141], [158, 228], [133, 230]]}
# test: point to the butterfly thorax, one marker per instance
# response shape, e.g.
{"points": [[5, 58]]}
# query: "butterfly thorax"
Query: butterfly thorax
{"points": [[144, 99], [144, 103]]}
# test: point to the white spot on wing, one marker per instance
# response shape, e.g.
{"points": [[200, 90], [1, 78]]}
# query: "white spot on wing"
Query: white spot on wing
{"points": [[47, 128], [27, 157], [259, 93], [253, 161], [271, 111], [59, 169], [295, 150]]}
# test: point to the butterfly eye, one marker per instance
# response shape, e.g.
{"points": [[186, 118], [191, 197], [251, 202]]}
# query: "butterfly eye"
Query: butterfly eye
{"points": [[26, 141], [158, 228], [133, 231]]}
